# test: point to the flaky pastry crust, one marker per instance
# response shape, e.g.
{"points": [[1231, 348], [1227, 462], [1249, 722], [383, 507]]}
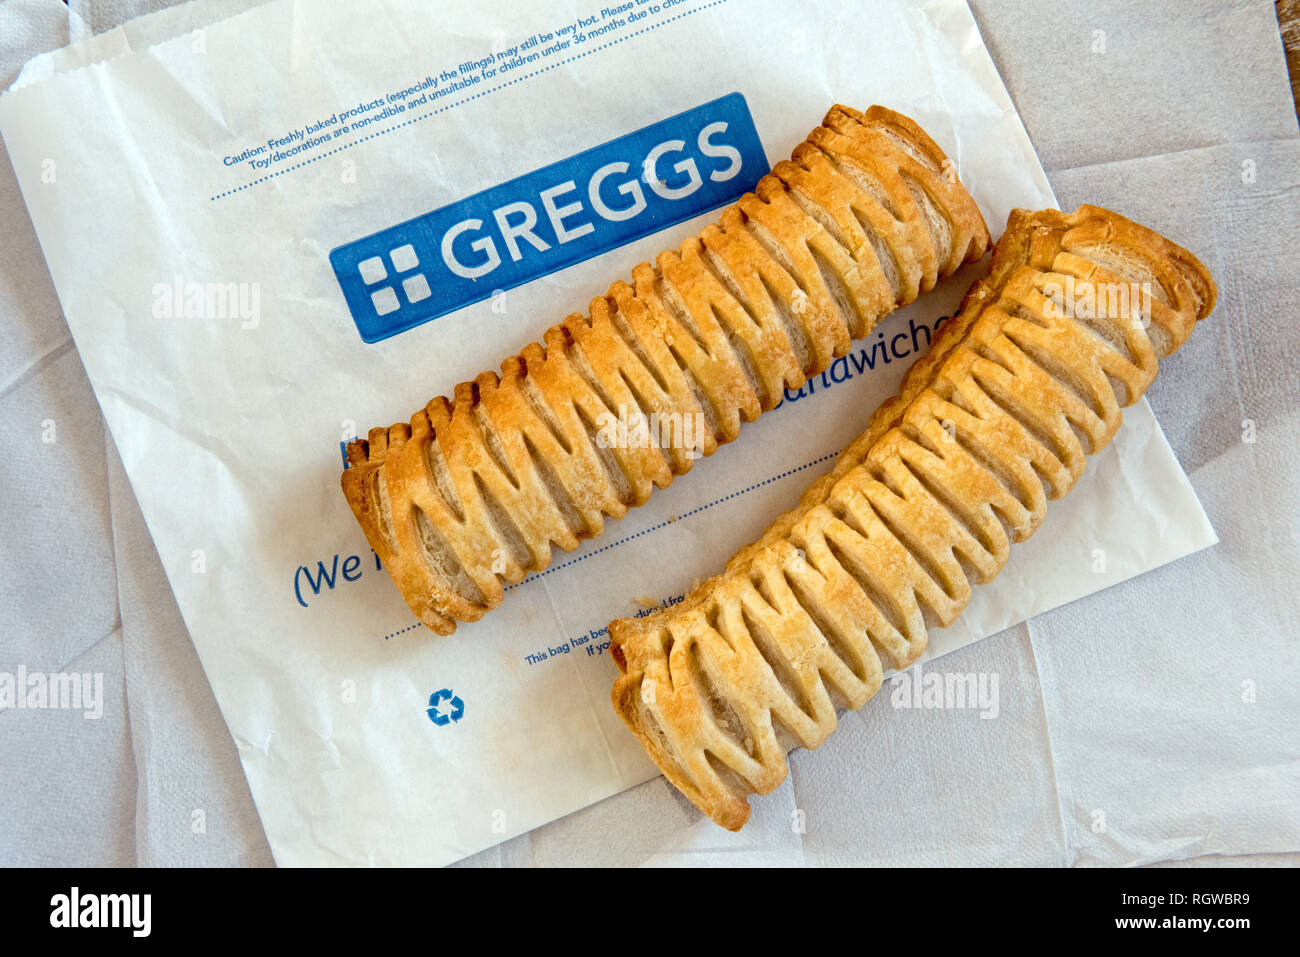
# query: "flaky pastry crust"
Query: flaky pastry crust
{"points": [[474, 492], [997, 418]]}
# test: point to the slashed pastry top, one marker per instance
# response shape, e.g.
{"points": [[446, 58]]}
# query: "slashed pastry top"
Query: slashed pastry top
{"points": [[473, 493], [997, 418]]}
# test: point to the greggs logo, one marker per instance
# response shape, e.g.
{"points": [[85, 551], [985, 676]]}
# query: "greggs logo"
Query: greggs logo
{"points": [[553, 217]]}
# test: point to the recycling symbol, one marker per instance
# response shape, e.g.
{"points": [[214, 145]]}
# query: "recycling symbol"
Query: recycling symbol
{"points": [[455, 708]]}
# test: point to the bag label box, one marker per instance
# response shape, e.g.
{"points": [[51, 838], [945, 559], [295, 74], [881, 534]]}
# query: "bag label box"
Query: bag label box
{"points": [[541, 222]]}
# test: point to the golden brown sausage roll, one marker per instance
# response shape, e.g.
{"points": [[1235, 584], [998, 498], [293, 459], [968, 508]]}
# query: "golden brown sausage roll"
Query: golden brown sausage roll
{"points": [[1024, 382], [473, 493]]}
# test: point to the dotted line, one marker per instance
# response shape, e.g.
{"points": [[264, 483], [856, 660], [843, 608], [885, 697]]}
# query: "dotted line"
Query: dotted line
{"points": [[655, 528], [449, 106], [402, 631]]}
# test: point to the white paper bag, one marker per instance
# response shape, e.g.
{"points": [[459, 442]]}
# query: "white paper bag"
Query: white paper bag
{"points": [[365, 738]]}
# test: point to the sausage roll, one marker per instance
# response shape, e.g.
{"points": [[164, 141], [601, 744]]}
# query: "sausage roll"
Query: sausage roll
{"points": [[474, 491], [997, 418]]}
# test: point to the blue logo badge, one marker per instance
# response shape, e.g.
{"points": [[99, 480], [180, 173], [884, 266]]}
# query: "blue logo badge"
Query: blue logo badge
{"points": [[455, 708], [553, 217]]}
